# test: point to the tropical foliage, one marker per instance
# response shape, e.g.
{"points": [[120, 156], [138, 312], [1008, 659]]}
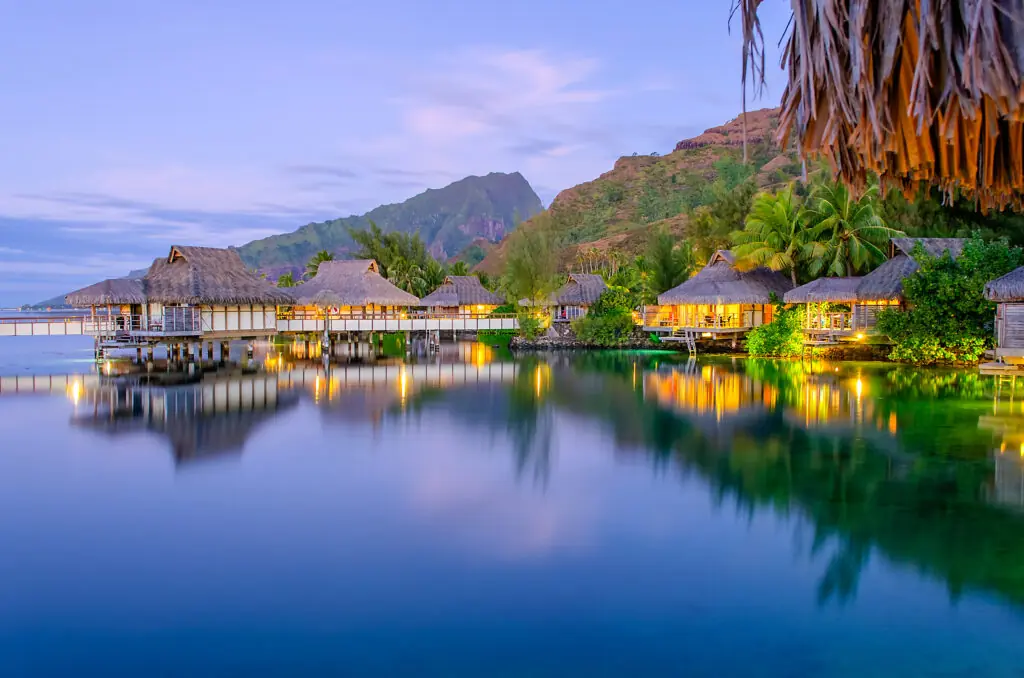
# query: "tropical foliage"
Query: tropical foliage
{"points": [[403, 259], [668, 262], [609, 322], [314, 263], [832, 234], [949, 319], [286, 280], [775, 234], [531, 267], [781, 338], [847, 234]]}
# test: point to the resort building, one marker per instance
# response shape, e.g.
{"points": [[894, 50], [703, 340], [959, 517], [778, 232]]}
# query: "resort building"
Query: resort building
{"points": [[830, 303], [883, 287], [347, 290], [461, 295], [721, 300], [1008, 293], [576, 296], [192, 293], [859, 299]]}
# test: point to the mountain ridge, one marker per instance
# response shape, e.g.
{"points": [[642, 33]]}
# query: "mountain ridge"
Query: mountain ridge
{"points": [[640, 193], [448, 219]]}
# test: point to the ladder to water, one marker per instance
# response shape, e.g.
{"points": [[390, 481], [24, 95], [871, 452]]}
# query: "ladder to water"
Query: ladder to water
{"points": [[689, 338]]}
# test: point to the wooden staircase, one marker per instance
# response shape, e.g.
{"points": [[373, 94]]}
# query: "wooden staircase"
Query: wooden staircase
{"points": [[689, 337]]}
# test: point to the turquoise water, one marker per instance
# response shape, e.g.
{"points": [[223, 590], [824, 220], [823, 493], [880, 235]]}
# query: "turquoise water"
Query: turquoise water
{"points": [[596, 515]]}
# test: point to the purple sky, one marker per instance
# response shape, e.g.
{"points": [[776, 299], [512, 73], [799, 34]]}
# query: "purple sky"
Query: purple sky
{"points": [[128, 126]]}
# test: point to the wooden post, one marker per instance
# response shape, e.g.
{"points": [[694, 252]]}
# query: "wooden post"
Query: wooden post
{"points": [[149, 353], [138, 355]]}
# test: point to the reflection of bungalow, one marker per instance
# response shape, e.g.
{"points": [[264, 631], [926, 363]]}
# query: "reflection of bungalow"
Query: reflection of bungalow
{"points": [[883, 287], [461, 295], [720, 299], [352, 288], [821, 319], [204, 420], [1008, 293], [193, 292], [578, 294]]}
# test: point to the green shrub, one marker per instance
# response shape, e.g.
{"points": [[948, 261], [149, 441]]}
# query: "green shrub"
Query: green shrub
{"points": [[781, 338], [949, 320], [530, 326], [608, 329]]}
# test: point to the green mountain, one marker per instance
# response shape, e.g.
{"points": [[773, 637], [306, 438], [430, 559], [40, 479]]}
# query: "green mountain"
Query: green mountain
{"points": [[614, 214], [448, 219]]}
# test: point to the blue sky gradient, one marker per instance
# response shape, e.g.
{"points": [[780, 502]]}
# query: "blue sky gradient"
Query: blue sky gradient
{"points": [[129, 126]]}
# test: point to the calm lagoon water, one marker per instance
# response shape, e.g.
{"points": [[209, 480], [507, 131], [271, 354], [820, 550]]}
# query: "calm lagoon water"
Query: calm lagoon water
{"points": [[601, 514]]}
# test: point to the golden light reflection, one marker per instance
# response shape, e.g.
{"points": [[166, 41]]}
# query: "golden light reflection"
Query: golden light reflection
{"points": [[75, 391], [316, 389], [480, 354], [403, 385]]}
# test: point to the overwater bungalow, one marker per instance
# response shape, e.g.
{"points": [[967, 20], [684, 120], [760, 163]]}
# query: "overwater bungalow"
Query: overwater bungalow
{"points": [[721, 300], [352, 292], [1008, 293], [823, 320], [461, 295], [193, 292], [576, 296], [883, 287]]}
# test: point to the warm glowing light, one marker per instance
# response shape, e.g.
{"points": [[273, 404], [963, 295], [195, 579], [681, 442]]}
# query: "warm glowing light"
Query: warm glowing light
{"points": [[860, 336], [860, 387], [537, 379], [479, 307], [1022, 449], [76, 392], [706, 335], [403, 384], [106, 367]]}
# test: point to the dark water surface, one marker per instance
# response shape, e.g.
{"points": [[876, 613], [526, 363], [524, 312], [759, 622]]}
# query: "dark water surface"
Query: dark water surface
{"points": [[590, 515]]}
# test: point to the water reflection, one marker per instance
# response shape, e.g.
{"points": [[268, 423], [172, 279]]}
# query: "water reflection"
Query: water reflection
{"points": [[923, 468], [214, 417]]}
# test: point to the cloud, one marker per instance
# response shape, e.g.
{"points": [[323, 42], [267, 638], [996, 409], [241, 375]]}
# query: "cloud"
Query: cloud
{"points": [[337, 173]]}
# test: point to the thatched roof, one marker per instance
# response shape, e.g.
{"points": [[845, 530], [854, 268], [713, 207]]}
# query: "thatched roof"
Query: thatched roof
{"points": [[721, 283], [351, 283], [581, 289], [462, 290], [838, 290], [911, 91], [114, 291], [886, 282], [208, 275], [1010, 287]]}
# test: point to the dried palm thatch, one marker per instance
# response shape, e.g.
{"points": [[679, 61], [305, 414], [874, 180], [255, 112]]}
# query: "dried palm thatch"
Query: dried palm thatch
{"points": [[114, 292], [1010, 287], [720, 282], [208, 276], [833, 290], [352, 283], [581, 289], [913, 90], [885, 283], [461, 290]]}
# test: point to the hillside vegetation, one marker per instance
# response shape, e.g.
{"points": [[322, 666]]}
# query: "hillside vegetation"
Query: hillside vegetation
{"points": [[613, 215], [448, 219]]}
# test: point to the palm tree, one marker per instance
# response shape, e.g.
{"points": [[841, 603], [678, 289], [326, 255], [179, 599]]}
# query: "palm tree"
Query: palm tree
{"points": [[459, 268], [670, 263], [314, 263], [846, 236], [286, 280], [775, 235], [408, 275]]}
